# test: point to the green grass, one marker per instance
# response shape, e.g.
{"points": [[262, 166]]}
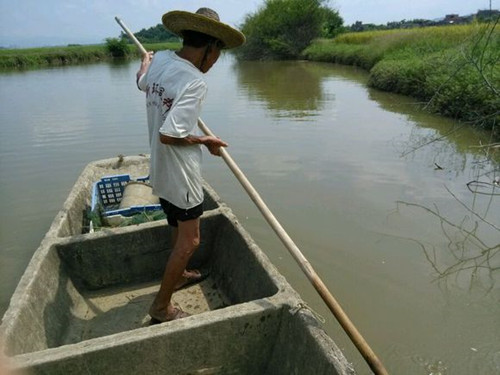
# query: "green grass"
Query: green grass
{"points": [[454, 69], [40, 57], [161, 46], [367, 48], [437, 36], [56, 56]]}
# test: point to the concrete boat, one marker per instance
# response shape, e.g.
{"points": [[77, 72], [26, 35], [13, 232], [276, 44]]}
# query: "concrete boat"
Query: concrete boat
{"points": [[81, 305]]}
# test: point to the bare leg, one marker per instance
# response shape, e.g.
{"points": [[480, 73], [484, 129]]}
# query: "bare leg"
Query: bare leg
{"points": [[187, 274], [187, 240], [173, 239]]}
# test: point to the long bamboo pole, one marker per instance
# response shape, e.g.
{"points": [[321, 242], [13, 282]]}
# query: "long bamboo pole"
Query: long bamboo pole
{"points": [[131, 36], [358, 340]]}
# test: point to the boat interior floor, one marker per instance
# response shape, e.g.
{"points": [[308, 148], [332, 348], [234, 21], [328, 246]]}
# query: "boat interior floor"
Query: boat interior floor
{"points": [[113, 310]]}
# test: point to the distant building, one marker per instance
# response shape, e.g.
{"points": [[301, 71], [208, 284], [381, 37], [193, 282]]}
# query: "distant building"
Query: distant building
{"points": [[487, 14], [453, 19]]}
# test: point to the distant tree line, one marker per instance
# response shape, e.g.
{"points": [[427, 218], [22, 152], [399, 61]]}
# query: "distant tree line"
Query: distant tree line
{"points": [[120, 47], [155, 34]]}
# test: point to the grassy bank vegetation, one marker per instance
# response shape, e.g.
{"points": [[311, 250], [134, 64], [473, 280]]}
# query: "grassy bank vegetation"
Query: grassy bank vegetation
{"points": [[454, 70], [46, 56], [73, 54]]}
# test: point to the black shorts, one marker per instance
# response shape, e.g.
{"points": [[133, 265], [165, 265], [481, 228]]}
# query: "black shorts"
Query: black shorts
{"points": [[175, 214]]}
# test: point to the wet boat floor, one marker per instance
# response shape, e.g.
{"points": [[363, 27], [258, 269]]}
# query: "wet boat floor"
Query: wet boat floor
{"points": [[111, 311]]}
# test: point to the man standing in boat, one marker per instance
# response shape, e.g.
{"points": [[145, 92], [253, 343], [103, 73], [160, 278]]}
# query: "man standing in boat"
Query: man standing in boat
{"points": [[175, 90]]}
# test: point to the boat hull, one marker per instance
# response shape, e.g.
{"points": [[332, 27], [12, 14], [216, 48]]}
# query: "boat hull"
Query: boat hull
{"points": [[81, 306]]}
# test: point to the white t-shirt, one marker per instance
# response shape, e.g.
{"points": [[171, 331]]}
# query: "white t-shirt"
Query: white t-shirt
{"points": [[175, 90]]}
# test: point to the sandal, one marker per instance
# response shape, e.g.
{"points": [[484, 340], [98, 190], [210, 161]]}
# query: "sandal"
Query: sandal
{"points": [[178, 314]]}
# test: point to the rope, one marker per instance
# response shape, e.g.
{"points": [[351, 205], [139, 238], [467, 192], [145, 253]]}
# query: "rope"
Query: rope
{"points": [[305, 306]]}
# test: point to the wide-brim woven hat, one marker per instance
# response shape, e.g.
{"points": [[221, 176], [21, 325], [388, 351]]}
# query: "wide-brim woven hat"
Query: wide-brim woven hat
{"points": [[204, 21]]}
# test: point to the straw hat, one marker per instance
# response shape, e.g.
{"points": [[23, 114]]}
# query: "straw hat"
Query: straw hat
{"points": [[204, 21]]}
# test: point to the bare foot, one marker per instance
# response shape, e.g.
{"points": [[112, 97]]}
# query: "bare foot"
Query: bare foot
{"points": [[189, 278]]}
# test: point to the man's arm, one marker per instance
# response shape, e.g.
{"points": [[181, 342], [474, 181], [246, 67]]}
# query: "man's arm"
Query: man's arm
{"points": [[212, 143], [145, 62], [182, 118]]}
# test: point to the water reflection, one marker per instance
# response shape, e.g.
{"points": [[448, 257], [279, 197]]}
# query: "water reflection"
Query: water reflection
{"points": [[468, 255], [464, 246], [468, 252], [445, 132], [289, 89]]}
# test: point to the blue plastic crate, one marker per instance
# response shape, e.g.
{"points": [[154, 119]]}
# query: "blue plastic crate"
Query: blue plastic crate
{"points": [[108, 193]]}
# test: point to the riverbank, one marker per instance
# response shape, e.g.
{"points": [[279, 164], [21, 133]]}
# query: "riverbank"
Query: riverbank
{"points": [[454, 70], [32, 58]]}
